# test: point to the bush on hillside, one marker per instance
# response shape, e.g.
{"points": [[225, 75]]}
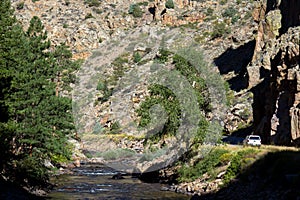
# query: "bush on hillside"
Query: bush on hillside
{"points": [[135, 10], [220, 29], [170, 4], [92, 3], [205, 165]]}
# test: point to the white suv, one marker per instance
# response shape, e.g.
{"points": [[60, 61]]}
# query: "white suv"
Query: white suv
{"points": [[252, 140]]}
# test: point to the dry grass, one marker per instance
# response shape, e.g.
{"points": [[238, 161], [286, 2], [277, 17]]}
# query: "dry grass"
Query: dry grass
{"points": [[278, 148], [263, 148]]}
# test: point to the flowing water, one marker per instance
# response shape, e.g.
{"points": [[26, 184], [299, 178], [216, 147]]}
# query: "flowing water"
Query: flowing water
{"points": [[95, 182]]}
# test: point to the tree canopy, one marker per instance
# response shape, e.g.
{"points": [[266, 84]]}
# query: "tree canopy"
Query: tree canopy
{"points": [[36, 118]]}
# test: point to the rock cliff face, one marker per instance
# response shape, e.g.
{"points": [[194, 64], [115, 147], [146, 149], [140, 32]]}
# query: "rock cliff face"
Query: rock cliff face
{"points": [[274, 74], [82, 25], [173, 16]]}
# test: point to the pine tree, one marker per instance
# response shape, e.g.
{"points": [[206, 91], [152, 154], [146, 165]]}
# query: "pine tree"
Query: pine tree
{"points": [[11, 38], [37, 119]]}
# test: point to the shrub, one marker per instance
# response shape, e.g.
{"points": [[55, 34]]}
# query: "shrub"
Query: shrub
{"points": [[102, 86], [210, 18], [209, 11], [92, 3], [107, 85], [193, 76], [238, 163], [137, 57], [223, 2], [233, 169], [199, 137], [220, 29], [144, 3], [115, 128], [206, 165], [135, 10], [98, 11], [191, 25], [33, 167], [163, 55], [119, 67], [170, 4], [106, 95], [231, 13], [225, 158], [89, 15], [113, 5], [229, 94], [234, 19]]}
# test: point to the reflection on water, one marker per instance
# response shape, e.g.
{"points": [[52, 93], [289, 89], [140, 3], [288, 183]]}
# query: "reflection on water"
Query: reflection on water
{"points": [[93, 182]]}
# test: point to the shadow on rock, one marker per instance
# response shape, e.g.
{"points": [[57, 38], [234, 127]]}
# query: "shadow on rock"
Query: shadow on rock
{"points": [[236, 61]]}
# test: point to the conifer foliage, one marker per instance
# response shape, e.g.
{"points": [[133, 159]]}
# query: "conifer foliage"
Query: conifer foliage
{"points": [[36, 119]]}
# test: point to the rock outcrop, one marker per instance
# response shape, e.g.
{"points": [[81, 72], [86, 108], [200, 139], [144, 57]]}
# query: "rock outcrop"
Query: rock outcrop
{"points": [[274, 75], [81, 25]]}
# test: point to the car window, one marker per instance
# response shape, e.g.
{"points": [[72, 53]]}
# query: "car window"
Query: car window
{"points": [[255, 138]]}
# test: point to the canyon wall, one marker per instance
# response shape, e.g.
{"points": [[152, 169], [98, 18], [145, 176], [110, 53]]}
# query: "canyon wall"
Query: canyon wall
{"points": [[274, 75]]}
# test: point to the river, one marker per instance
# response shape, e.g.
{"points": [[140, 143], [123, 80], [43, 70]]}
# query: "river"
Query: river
{"points": [[95, 182]]}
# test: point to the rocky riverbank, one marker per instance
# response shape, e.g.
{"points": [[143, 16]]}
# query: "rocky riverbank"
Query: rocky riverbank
{"points": [[199, 187]]}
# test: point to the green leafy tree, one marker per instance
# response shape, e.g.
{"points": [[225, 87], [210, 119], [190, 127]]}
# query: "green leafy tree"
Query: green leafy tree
{"points": [[37, 119], [165, 97]]}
